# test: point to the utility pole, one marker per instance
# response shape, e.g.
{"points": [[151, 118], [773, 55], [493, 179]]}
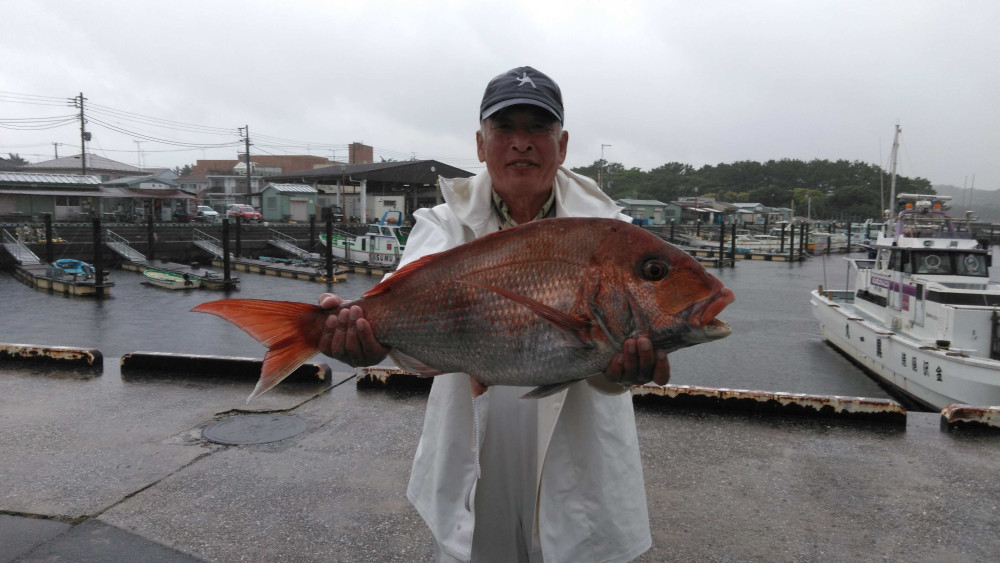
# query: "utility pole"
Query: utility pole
{"points": [[56, 145], [601, 169], [246, 138], [138, 152], [84, 135]]}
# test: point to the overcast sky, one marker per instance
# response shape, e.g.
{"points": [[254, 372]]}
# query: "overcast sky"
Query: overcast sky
{"points": [[694, 82]]}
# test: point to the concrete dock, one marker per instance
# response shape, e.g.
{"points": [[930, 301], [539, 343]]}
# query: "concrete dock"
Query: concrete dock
{"points": [[101, 467]]}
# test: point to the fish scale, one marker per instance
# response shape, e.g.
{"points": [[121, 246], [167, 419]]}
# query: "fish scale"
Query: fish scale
{"points": [[542, 304]]}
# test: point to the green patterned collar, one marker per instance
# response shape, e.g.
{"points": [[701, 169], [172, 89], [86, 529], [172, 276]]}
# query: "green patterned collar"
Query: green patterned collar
{"points": [[506, 221]]}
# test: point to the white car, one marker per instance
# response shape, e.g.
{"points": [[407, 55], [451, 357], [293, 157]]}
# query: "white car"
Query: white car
{"points": [[207, 214]]}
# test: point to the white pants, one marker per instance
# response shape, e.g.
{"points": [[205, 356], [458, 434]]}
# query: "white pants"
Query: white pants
{"points": [[505, 494]]}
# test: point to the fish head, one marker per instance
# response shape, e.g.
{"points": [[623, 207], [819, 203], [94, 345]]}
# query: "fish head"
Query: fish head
{"points": [[668, 295]]}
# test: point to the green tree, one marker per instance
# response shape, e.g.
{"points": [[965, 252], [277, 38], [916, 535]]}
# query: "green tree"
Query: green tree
{"points": [[16, 160]]}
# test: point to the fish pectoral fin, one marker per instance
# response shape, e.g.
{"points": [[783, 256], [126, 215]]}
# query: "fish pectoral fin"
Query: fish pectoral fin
{"points": [[411, 364], [546, 390], [577, 329]]}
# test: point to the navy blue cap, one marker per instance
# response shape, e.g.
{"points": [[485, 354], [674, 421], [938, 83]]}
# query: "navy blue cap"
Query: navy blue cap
{"points": [[522, 85]]}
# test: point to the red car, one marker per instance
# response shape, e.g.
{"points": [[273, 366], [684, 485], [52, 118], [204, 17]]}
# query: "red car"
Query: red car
{"points": [[246, 212]]}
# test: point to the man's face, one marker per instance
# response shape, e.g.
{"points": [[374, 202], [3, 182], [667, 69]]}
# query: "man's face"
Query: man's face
{"points": [[522, 147]]}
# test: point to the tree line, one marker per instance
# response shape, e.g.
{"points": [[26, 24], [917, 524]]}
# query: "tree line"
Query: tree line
{"points": [[839, 189]]}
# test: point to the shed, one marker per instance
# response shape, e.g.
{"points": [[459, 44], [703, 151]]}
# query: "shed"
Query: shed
{"points": [[649, 211], [288, 202]]}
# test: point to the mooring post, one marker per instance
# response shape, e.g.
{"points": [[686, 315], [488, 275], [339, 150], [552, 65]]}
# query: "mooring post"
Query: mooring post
{"points": [[848, 237], [239, 236], [227, 281], [329, 249], [722, 241], [98, 259], [791, 242], [672, 231], [150, 238], [312, 232], [732, 251], [802, 240], [49, 250]]}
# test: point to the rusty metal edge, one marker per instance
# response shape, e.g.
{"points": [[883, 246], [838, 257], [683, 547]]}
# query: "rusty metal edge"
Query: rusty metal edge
{"points": [[966, 417], [796, 404], [63, 355], [160, 364], [383, 378]]}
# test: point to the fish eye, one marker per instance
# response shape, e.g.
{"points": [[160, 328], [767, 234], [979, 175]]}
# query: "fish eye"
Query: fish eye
{"points": [[654, 270]]}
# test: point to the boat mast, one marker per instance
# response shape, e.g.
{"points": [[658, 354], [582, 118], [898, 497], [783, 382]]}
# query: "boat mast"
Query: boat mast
{"points": [[892, 182]]}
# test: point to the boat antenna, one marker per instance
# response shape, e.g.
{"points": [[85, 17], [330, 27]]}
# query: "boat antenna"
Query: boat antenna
{"points": [[892, 182]]}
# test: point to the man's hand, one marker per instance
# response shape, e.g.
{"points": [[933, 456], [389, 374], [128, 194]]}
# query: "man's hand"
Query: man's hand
{"points": [[347, 336], [638, 363]]}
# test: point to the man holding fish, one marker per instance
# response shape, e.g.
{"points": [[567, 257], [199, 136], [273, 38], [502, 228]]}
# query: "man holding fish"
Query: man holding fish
{"points": [[497, 477], [529, 276]]}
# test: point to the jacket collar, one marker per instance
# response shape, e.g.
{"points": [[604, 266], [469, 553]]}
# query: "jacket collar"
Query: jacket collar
{"points": [[576, 196]]}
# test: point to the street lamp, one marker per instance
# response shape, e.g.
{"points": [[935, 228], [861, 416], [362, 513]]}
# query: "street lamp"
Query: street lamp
{"points": [[600, 170]]}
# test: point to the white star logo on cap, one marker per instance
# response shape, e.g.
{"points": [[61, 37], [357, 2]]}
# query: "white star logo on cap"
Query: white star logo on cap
{"points": [[525, 78]]}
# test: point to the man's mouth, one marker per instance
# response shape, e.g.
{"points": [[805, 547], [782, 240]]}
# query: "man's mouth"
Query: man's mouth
{"points": [[521, 164]]}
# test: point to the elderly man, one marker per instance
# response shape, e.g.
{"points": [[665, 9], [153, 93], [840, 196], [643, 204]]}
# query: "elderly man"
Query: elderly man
{"points": [[496, 477]]}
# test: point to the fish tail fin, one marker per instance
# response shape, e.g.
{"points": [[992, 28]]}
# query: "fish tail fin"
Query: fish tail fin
{"points": [[291, 332]]}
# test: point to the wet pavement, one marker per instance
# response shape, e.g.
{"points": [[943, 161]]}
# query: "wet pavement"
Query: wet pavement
{"points": [[100, 472], [97, 467]]}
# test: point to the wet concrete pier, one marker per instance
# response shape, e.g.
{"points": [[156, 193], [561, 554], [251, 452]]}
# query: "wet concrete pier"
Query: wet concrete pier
{"points": [[97, 466]]}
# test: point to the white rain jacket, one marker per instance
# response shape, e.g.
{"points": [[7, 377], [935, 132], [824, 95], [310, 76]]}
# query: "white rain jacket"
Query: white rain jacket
{"points": [[591, 499]]}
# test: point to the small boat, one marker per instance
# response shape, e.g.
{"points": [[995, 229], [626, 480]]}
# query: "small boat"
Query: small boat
{"points": [[172, 280], [924, 316], [76, 269], [382, 245]]}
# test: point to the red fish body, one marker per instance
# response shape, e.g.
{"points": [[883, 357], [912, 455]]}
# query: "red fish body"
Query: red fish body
{"points": [[543, 304]]}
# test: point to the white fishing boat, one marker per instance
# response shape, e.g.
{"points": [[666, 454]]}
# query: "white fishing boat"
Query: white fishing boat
{"points": [[382, 245], [171, 280], [923, 316]]}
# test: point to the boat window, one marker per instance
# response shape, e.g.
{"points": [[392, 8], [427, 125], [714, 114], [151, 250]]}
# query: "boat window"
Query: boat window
{"points": [[932, 263], [970, 264]]}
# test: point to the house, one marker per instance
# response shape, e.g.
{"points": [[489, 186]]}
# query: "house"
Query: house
{"points": [[137, 197], [367, 191], [104, 168], [26, 196], [288, 202], [646, 211]]}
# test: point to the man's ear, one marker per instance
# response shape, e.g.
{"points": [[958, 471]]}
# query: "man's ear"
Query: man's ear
{"points": [[481, 146], [563, 143]]}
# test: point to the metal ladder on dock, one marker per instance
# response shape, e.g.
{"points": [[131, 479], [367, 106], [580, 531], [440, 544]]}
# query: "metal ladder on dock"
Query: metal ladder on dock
{"points": [[19, 251], [120, 245], [210, 244], [287, 243]]}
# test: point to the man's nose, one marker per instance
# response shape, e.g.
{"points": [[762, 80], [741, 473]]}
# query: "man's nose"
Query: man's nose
{"points": [[522, 140]]}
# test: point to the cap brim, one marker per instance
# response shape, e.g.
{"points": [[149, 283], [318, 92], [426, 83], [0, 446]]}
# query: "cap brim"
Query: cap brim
{"points": [[517, 102]]}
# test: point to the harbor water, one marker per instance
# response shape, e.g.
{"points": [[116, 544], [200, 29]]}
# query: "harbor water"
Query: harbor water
{"points": [[775, 344]]}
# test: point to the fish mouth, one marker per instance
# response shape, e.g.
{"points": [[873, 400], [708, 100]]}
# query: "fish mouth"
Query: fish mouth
{"points": [[704, 326]]}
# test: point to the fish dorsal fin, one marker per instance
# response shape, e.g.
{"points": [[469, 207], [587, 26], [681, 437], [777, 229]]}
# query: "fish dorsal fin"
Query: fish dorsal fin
{"points": [[576, 328], [399, 275]]}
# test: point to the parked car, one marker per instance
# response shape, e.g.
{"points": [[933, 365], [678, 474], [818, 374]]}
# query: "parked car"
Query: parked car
{"points": [[332, 212], [246, 212], [207, 214]]}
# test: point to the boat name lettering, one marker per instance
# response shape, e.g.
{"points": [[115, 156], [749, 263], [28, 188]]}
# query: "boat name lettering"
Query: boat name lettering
{"points": [[927, 369], [878, 347], [881, 282], [904, 359], [938, 372], [913, 363]]}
